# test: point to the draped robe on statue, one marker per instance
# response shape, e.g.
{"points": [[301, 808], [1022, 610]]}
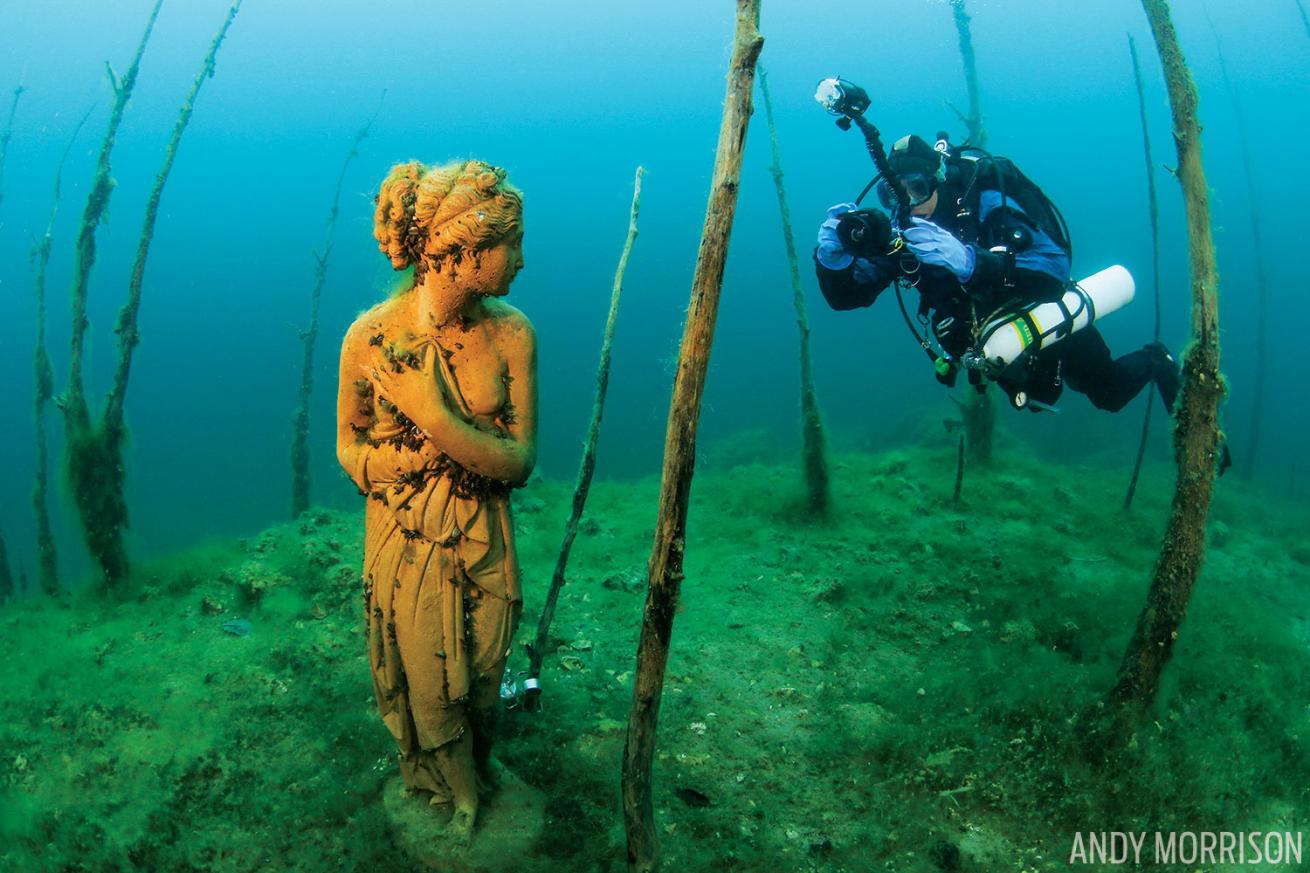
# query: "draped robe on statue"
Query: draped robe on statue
{"points": [[441, 581]]}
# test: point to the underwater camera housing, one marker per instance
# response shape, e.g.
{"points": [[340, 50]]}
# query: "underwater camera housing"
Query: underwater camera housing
{"points": [[842, 98], [865, 233]]}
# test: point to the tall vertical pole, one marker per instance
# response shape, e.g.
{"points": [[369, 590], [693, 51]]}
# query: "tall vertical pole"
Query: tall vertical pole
{"points": [[813, 444], [973, 122], [1153, 209], [1248, 460], [94, 474], [300, 477], [664, 572], [978, 409], [8, 134], [47, 564], [587, 467], [1196, 431]]}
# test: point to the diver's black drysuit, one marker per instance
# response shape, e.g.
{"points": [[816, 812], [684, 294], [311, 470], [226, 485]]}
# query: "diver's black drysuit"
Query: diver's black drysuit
{"points": [[982, 203]]}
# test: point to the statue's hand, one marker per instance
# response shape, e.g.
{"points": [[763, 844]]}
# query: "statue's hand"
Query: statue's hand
{"points": [[413, 392]]}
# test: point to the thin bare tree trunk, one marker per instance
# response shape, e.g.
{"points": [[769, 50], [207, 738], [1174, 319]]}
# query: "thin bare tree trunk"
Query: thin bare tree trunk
{"points": [[973, 122], [128, 337], [47, 559], [96, 465], [1153, 208], [7, 589], [6, 135], [813, 442], [664, 572], [300, 478], [537, 649], [978, 409], [1196, 432], [91, 471], [959, 470], [1257, 253]]}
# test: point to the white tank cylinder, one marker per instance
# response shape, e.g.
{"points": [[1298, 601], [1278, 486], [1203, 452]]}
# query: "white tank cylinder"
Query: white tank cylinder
{"points": [[1044, 324]]}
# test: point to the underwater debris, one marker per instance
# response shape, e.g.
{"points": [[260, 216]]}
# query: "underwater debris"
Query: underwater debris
{"points": [[253, 579], [946, 855], [692, 797], [629, 581], [237, 627]]}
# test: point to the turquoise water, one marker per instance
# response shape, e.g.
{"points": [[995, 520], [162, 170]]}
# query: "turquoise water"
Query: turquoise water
{"points": [[570, 98], [570, 101]]}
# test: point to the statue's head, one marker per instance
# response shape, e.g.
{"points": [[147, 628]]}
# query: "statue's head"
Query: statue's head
{"points": [[428, 217]]}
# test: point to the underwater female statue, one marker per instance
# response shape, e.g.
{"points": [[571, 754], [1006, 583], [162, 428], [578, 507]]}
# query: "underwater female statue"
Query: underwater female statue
{"points": [[436, 423]]}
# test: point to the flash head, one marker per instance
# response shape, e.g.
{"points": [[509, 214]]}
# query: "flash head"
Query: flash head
{"points": [[842, 98]]}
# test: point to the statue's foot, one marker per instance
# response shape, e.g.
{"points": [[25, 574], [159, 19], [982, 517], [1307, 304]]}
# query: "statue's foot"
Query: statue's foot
{"points": [[460, 829]]}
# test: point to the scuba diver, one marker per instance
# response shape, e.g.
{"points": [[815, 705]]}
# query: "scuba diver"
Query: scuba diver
{"points": [[990, 255]]}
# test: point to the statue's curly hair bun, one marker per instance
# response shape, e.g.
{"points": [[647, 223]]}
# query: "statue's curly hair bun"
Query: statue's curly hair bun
{"points": [[426, 215]]}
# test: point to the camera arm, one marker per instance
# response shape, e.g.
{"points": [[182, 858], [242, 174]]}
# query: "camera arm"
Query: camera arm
{"points": [[873, 142]]}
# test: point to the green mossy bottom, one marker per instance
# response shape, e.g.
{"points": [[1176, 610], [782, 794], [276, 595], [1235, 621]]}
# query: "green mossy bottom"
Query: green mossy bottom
{"points": [[896, 686]]}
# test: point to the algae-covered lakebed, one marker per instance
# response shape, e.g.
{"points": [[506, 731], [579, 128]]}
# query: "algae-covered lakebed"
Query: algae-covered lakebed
{"points": [[894, 687]]}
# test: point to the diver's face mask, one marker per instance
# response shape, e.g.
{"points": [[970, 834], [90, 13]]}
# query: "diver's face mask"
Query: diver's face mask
{"points": [[919, 187]]}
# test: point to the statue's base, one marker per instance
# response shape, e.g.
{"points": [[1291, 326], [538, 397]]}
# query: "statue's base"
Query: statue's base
{"points": [[509, 822]]}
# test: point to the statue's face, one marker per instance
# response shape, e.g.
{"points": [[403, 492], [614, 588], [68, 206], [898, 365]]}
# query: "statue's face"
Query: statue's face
{"points": [[499, 265]]}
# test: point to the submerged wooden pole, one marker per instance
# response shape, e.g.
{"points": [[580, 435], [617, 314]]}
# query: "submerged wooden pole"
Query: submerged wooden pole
{"points": [[814, 453], [1305, 18], [91, 472], [7, 589], [973, 121], [1196, 431], [47, 564], [95, 453], [1257, 253], [300, 478], [978, 410], [664, 572], [8, 134], [128, 337], [959, 470], [1153, 210], [586, 469]]}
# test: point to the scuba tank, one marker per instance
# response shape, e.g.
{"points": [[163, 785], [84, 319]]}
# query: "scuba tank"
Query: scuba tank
{"points": [[1005, 340]]}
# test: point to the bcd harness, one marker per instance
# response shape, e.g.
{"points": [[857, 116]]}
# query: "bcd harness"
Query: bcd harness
{"points": [[1005, 231]]}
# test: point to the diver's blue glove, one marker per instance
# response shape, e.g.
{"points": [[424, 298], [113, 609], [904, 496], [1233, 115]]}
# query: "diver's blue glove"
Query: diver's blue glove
{"points": [[833, 255], [933, 244]]}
